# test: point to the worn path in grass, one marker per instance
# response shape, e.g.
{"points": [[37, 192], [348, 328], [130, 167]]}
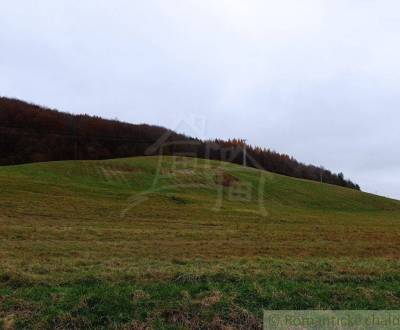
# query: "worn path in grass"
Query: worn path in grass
{"points": [[179, 242]]}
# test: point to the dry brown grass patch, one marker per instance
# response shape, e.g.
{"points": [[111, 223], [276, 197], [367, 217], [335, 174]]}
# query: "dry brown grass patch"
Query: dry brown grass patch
{"points": [[225, 179]]}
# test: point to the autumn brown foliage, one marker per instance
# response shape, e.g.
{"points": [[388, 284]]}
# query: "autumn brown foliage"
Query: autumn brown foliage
{"points": [[31, 133]]}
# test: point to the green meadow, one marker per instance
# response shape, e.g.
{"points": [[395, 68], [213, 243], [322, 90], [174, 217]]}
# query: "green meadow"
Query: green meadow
{"points": [[184, 243]]}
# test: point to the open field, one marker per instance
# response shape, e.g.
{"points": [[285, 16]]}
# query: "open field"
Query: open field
{"points": [[186, 243]]}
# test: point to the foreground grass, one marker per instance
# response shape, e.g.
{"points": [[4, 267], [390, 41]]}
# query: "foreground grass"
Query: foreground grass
{"points": [[182, 243], [209, 298]]}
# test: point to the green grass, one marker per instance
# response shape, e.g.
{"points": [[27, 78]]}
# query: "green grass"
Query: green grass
{"points": [[172, 243]]}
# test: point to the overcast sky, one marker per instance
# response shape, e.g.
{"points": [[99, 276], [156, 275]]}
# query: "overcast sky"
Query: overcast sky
{"points": [[317, 79]]}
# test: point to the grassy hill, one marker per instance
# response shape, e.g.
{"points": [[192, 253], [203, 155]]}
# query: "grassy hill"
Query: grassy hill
{"points": [[180, 242]]}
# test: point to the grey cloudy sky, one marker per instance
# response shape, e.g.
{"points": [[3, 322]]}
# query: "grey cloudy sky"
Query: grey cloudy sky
{"points": [[317, 79]]}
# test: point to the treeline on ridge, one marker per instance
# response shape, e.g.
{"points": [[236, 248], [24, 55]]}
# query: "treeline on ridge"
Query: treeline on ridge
{"points": [[31, 133]]}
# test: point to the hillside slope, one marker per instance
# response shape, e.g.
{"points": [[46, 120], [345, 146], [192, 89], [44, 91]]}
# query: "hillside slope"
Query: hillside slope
{"points": [[177, 191], [186, 242], [173, 173]]}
